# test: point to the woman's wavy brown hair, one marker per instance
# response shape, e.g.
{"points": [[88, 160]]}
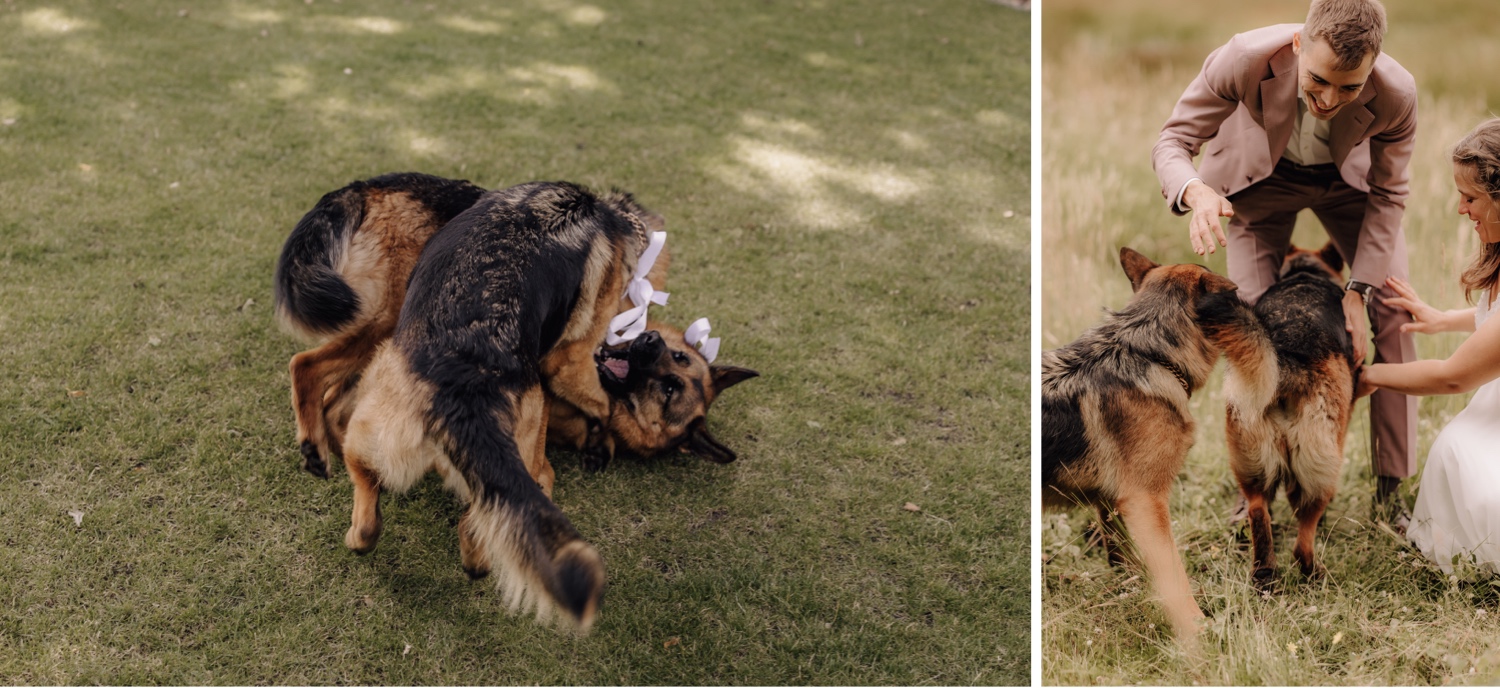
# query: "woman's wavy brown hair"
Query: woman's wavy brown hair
{"points": [[1479, 152]]}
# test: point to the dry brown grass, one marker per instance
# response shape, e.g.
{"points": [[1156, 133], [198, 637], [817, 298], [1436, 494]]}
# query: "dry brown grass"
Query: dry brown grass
{"points": [[1111, 72]]}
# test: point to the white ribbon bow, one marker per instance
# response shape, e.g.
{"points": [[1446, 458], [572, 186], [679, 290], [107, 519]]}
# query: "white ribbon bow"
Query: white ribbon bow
{"points": [[630, 324], [697, 336]]}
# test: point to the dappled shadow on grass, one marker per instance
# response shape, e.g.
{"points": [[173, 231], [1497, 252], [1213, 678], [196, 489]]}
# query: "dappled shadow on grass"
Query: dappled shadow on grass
{"points": [[836, 179]]}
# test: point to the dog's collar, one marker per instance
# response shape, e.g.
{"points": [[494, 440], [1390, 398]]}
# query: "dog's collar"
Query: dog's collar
{"points": [[1176, 372]]}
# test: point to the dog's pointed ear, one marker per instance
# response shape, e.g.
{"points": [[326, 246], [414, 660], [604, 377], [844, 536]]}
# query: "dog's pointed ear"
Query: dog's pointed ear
{"points": [[1136, 266], [1214, 283], [1330, 254], [653, 221], [703, 444], [729, 376]]}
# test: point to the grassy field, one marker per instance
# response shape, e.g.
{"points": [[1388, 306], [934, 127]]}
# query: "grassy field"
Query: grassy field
{"points": [[846, 186], [1111, 73]]}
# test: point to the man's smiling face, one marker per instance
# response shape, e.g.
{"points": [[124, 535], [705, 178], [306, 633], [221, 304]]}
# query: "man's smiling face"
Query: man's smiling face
{"points": [[1326, 88]]}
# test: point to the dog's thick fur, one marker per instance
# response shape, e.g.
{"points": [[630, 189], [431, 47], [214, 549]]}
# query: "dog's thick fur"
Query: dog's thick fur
{"points": [[340, 283], [342, 279], [513, 293], [1116, 424], [1289, 389]]}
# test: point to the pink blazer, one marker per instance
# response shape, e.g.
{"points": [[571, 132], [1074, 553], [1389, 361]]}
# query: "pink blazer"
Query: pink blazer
{"points": [[1240, 111]]}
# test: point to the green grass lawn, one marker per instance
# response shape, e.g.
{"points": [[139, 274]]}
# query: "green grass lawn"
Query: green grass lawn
{"points": [[1382, 616], [846, 186]]}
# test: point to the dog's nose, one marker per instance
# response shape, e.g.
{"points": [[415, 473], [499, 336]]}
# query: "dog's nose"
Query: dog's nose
{"points": [[650, 337]]}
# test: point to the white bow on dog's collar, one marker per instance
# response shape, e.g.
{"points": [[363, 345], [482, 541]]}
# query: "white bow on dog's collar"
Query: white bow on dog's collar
{"points": [[697, 336], [630, 324]]}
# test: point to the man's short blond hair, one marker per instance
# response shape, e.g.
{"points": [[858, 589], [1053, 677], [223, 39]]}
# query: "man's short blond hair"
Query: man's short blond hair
{"points": [[1351, 28]]}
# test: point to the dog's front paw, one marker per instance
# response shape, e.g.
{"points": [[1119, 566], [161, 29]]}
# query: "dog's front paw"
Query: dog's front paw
{"points": [[312, 460], [596, 459], [1264, 579], [597, 447], [362, 540]]}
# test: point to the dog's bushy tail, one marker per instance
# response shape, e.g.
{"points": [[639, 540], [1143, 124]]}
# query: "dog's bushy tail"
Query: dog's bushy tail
{"points": [[1232, 326], [541, 562], [311, 296]]}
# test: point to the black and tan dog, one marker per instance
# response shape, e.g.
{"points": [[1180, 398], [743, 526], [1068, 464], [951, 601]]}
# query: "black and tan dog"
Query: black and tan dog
{"points": [[340, 283], [342, 278], [1289, 393], [509, 300], [1116, 424]]}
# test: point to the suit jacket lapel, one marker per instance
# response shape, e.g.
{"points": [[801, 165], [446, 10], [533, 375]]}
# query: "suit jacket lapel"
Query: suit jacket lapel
{"points": [[1348, 127], [1278, 101]]}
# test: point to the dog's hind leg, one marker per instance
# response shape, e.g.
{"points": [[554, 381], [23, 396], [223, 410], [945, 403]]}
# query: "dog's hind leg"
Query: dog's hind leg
{"points": [[1309, 511], [1253, 459], [365, 523], [1109, 535], [1146, 516], [533, 410], [314, 374], [387, 444], [1264, 564]]}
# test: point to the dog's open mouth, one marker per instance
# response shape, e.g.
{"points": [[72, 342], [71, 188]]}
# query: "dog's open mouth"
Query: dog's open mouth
{"points": [[613, 364]]}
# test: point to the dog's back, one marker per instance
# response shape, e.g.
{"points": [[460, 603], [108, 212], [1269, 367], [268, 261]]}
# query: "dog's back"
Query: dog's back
{"points": [[335, 267], [1123, 385]]}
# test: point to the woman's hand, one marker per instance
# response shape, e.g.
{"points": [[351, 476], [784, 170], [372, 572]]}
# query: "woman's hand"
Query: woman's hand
{"points": [[1427, 320], [1364, 387]]}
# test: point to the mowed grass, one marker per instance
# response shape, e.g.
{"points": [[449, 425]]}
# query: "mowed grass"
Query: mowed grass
{"points": [[1112, 73], [846, 187]]}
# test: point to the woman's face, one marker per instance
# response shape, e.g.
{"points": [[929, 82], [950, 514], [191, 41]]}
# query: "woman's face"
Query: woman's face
{"points": [[1476, 204]]}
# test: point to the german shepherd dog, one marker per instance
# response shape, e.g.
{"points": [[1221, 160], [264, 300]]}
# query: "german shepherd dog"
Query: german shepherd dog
{"points": [[508, 294], [340, 282], [342, 278], [1289, 394], [1116, 425], [509, 300]]}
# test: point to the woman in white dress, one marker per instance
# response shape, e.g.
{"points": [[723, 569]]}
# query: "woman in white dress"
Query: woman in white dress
{"points": [[1457, 515]]}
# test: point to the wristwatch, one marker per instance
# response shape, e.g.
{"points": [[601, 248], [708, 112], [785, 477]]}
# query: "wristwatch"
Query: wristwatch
{"points": [[1364, 290]]}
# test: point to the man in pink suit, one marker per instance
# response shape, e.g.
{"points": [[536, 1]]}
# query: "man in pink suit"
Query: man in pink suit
{"points": [[1308, 116]]}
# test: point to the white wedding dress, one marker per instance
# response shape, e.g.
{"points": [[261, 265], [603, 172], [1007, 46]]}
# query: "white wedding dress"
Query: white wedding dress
{"points": [[1458, 502]]}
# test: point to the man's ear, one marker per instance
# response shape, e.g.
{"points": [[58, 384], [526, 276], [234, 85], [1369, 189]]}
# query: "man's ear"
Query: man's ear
{"points": [[1297, 43]]}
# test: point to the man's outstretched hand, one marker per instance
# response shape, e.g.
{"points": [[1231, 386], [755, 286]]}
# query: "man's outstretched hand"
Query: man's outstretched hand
{"points": [[1207, 208]]}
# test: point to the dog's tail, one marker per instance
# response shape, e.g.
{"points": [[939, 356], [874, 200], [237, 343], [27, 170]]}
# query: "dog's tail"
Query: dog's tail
{"points": [[542, 563], [311, 296], [1232, 326]]}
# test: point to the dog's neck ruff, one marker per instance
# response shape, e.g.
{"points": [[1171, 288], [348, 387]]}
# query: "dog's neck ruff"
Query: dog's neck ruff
{"points": [[697, 336], [630, 324]]}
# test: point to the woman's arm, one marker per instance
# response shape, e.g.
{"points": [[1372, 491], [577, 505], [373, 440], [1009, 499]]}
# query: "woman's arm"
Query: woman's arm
{"points": [[1476, 362]]}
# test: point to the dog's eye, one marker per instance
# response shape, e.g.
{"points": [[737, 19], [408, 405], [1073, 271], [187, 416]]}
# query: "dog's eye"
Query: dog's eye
{"points": [[680, 358], [670, 386]]}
